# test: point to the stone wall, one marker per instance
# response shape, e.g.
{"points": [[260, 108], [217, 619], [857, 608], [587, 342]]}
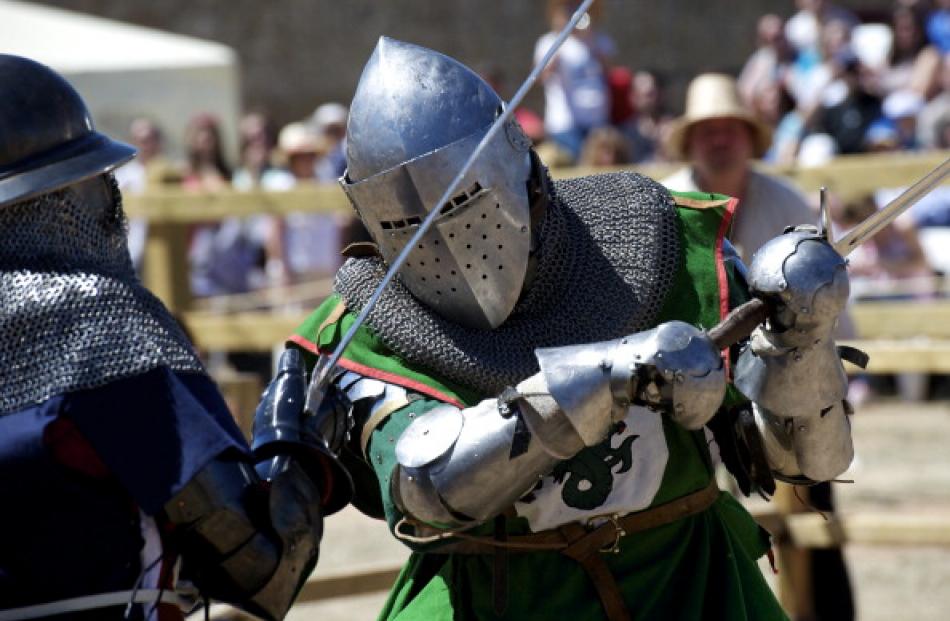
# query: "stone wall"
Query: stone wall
{"points": [[296, 54]]}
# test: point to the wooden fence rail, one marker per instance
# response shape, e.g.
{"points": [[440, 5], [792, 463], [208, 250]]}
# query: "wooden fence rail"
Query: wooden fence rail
{"points": [[170, 213]]}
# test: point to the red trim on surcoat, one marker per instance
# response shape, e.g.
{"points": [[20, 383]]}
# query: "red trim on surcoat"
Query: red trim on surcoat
{"points": [[721, 275], [384, 376]]}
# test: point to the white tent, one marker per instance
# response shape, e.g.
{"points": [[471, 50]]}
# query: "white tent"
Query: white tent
{"points": [[124, 71]]}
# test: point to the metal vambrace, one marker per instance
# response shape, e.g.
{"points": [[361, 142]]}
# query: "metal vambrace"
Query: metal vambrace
{"points": [[458, 467], [244, 542], [791, 369], [250, 535]]}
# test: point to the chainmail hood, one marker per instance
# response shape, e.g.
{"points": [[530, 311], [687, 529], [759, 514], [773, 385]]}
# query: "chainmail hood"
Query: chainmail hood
{"points": [[73, 314], [609, 248]]}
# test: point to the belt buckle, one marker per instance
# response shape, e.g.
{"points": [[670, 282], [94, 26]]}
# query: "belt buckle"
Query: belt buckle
{"points": [[619, 532]]}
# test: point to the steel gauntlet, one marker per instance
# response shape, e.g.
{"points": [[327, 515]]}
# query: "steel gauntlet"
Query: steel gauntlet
{"points": [[250, 535], [791, 369], [673, 367]]}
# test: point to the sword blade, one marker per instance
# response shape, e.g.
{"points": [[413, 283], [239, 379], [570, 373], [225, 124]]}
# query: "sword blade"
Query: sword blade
{"points": [[873, 225]]}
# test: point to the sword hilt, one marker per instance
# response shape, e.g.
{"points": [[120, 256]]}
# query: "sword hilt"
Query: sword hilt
{"points": [[739, 323]]}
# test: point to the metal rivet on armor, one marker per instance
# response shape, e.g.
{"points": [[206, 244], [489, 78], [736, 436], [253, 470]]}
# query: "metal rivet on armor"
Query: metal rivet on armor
{"points": [[468, 266], [468, 246], [484, 215], [500, 246], [524, 229], [422, 263], [501, 267], [484, 236], [484, 276], [497, 226], [484, 257]]}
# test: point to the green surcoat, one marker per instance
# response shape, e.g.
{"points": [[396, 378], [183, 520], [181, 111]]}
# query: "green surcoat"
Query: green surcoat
{"points": [[700, 567]]}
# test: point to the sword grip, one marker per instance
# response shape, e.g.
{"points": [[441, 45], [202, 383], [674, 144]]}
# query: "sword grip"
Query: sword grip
{"points": [[739, 323]]}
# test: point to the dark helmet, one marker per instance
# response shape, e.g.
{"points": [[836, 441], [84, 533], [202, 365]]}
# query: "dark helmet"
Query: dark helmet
{"points": [[47, 139]]}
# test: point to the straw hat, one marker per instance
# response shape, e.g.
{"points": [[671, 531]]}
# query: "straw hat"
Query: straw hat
{"points": [[714, 96], [297, 138]]}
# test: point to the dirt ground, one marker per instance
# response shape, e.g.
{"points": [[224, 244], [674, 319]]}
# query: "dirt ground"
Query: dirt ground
{"points": [[903, 465]]}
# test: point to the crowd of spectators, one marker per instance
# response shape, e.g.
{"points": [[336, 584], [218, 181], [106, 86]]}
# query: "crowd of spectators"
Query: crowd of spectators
{"points": [[822, 81], [238, 255], [826, 82]]}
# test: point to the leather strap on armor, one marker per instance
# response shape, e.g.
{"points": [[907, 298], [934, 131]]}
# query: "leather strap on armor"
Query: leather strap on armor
{"points": [[586, 545]]}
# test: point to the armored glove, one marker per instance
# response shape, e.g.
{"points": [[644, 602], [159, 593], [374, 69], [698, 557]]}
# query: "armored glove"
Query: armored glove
{"points": [[791, 369], [250, 535], [673, 367]]}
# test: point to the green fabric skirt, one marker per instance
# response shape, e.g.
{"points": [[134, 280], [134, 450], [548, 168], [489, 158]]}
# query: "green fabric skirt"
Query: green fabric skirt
{"points": [[700, 567]]}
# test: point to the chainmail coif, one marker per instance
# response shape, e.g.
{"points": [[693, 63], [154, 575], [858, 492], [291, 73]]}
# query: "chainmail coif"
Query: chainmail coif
{"points": [[609, 250], [73, 314]]}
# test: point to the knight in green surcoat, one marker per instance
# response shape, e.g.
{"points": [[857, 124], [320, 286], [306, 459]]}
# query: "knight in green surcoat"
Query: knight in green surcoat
{"points": [[534, 405]]}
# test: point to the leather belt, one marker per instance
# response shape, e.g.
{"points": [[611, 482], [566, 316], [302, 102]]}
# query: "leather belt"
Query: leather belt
{"points": [[586, 545]]}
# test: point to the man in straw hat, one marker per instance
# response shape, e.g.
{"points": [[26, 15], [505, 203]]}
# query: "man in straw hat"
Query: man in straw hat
{"points": [[719, 138]]}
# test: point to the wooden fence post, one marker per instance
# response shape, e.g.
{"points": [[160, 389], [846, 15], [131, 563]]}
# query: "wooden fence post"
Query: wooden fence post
{"points": [[165, 266], [794, 563]]}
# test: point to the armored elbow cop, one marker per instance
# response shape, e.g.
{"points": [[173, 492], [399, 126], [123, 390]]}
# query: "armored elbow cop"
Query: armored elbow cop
{"points": [[458, 468], [792, 370]]}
